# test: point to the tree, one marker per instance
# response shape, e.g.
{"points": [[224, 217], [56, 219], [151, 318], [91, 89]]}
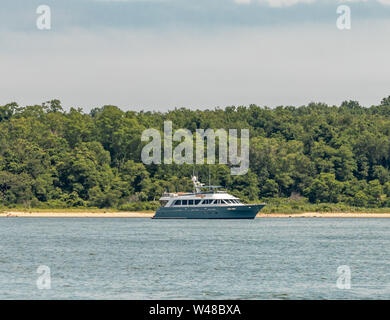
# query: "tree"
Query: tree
{"points": [[325, 188]]}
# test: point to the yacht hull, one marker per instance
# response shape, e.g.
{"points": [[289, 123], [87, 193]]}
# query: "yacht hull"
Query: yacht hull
{"points": [[226, 212]]}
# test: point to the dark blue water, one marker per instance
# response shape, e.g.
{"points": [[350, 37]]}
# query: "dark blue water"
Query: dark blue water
{"points": [[207, 259]]}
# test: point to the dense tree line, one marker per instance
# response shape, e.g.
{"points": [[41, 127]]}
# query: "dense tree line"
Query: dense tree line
{"points": [[55, 158]]}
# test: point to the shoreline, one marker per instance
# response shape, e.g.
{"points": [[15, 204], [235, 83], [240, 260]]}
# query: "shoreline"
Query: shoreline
{"points": [[119, 214], [76, 214], [324, 215]]}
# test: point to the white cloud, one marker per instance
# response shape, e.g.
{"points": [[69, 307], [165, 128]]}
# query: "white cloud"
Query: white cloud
{"points": [[275, 3], [385, 2], [243, 1], [287, 3]]}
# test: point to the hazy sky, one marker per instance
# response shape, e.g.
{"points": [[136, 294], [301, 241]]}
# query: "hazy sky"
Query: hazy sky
{"points": [[161, 54]]}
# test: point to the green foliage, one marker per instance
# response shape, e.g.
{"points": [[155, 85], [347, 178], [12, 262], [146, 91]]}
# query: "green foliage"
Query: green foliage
{"points": [[140, 206], [325, 188], [336, 157]]}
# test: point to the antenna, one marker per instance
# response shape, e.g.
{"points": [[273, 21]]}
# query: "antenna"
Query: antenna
{"points": [[194, 178]]}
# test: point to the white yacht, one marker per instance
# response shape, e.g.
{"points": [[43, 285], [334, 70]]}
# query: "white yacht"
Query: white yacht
{"points": [[210, 204]]}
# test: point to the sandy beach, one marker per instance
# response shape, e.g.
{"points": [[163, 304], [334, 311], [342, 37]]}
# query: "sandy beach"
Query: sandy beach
{"points": [[86, 214], [324, 215], [71, 214]]}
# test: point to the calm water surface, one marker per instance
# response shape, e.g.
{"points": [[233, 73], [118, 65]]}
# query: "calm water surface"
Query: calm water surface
{"points": [[129, 258]]}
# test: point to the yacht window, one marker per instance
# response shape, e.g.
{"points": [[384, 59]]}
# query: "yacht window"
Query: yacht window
{"points": [[197, 202], [206, 202], [177, 203], [226, 201], [190, 202], [184, 202], [217, 201]]}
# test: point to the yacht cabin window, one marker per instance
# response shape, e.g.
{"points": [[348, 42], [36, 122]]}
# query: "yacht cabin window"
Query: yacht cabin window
{"points": [[163, 202], [206, 201]]}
